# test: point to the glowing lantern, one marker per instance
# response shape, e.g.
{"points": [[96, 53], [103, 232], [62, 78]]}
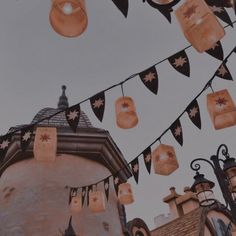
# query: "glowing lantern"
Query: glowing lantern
{"points": [[76, 203], [96, 201], [221, 109], [230, 171], [126, 116], [199, 25], [45, 144], [164, 160], [68, 17], [125, 194]]}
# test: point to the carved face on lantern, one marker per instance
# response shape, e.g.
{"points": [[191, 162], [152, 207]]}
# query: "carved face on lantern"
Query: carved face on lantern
{"points": [[125, 194]]}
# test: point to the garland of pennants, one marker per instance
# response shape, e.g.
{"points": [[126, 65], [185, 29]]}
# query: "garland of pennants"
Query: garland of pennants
{"points": [[193, 111], [179, 61]]}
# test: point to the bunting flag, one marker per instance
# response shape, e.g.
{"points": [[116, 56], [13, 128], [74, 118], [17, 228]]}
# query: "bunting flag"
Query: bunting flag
{"points": [[72, 116], [180, 62], [84, 190], [150, 79], [216, 51], [235, 49], [106, 187], [117, 182], [73, 193], [4, 145], [135, 168], [194, 113], [176, 130], [147, 157], [123, 6], [223, 72], [89, 189], [25, 137], [166, 12], [98, 105]]}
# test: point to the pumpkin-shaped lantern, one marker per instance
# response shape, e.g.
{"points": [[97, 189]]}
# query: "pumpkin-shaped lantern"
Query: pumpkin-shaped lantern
{"points": [[199, 25], [96, 201], [221, 109], [76, 203], [164, 160], [68, 17], [45, 144], [125, 194], [126, 116]]}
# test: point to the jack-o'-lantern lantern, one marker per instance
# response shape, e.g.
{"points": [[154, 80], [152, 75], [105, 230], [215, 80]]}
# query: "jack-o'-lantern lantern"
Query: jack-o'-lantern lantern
{"points": [[96, 201], [125, 194], [221, 109], [76, 203]]}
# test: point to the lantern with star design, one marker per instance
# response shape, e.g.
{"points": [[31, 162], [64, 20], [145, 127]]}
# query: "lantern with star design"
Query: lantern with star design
{"points": [[68, 17], [199, 25], [222, 109], [126, 116], [45, 144], [76, 203], [164, 160], [125, 194], [96, 201]]}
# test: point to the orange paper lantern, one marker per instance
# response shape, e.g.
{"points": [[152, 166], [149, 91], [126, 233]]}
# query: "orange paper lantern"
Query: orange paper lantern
{"points": [[221, 109], [164, 160], [126, 116], [76, 203], [68, 17], [96, 201], [45, 144], [125, 194], [199, 25]]}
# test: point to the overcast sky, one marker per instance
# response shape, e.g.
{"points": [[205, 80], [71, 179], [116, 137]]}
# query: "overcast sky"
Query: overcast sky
{"points": [[35, 62]]}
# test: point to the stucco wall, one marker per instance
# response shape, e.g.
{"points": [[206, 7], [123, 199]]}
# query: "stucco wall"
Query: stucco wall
{"points": [[34, 201]]}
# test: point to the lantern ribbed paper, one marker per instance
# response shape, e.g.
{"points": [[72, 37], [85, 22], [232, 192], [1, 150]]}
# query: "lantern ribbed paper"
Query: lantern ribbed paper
{"points": [[96, 201], [125, 194], [45, 144]]}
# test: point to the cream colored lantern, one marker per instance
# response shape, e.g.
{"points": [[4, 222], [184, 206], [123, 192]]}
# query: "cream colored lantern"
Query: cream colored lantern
{"points": [[221, 109], [126, 116], [199, 24], [164, 160], [125, 194], [68, 17], [45, 144], [96, 201], [76, 203]]}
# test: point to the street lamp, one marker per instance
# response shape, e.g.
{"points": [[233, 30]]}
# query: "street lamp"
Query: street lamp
{"points": [[226, 177]]}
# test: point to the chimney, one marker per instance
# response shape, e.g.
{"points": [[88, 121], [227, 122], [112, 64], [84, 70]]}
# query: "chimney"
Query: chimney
{"points": [[188, 201], [175, 210]]}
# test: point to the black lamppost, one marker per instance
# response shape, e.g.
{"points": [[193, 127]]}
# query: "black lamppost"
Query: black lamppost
{"points": [[226, 177]]}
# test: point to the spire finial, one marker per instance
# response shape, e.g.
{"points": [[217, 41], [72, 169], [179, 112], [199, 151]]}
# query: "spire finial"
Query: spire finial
{"points": [[63, 101]]}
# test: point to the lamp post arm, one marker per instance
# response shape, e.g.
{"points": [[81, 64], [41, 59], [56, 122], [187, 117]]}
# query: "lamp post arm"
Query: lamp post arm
{"points": [[196, 166]]}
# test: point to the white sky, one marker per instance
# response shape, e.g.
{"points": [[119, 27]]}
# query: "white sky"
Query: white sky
{"points": [[35, 62]]}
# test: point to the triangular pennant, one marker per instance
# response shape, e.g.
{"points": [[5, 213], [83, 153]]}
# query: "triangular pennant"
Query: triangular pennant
{"points": [[166, 12], [150, 79], [4, 145], [176, 130], [235, 49], [106, 187], [72, 116], [194, 113], [26, 135], [216, 51], [73, 193], [98, 105], [147, 157], [123, 6], [223, 72], [135, 169], [83, 193], [117, 182], [180, 62], [89, 189], [70, 231]]}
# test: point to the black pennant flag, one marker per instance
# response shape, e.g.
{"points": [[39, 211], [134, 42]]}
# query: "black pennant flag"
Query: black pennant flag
{"points": [[98, 105], [123, 6], [117, 182], [72, 116], [235, 49], [135, 168], [73, 193], [147, 157], [84, 190], [216, 51], [106, 187], [176, 130], [26, 135], [180, 62], [194, 113], [223, 72], [4, 145], [89, 189], [150, 79], [166, 12]]}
